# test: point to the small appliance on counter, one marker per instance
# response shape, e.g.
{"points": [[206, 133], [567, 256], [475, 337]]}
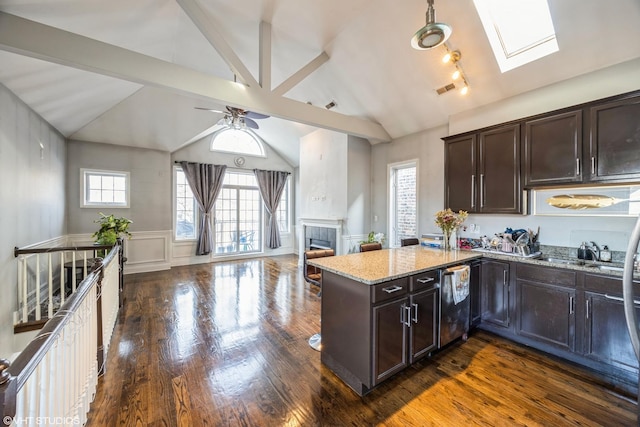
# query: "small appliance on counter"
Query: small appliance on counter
{"points": [[432, 240]]}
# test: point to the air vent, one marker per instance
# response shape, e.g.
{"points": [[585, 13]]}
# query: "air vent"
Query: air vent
{"points": [[445, 89]]}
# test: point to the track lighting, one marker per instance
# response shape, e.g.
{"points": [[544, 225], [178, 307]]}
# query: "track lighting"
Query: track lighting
{"points": [[453, 56]]}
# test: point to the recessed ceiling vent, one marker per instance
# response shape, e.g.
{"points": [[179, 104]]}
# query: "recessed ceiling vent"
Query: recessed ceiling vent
{"points": [[445, 89]]}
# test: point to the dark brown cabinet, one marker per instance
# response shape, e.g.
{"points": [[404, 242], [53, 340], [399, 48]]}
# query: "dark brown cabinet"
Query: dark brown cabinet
{"points": [[482, 172], [494, 293], [614, 145], [475, 299], [553, 149], [461, 173], [424, 323], [390, 338], [606, 338], [546, 305]]}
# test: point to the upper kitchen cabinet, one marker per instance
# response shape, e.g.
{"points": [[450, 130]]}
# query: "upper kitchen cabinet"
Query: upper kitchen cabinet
{"points": [[460, 173], [499, 188], [553, 149], [482, 171], [614, 145]]}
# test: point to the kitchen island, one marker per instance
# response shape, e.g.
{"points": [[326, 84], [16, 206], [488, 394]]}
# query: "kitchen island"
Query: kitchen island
{"points": [[380, 310]]}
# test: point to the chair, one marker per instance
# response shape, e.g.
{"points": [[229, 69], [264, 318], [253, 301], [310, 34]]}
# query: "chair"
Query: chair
{"points": [[314, 275], [365, 247], [410, 241]]}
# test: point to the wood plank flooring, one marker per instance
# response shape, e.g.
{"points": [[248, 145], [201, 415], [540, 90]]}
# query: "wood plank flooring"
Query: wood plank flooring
{"points": [[225, 344]]}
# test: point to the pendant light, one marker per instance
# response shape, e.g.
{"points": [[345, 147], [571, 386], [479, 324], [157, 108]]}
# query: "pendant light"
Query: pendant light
{"points": [[431, 35]]}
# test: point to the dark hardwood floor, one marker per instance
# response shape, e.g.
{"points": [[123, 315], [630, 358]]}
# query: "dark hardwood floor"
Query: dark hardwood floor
{"points": [[225, 344]]}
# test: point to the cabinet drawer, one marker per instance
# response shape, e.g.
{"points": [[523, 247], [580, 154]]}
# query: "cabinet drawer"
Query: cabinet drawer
{"points": [[424, 280], [536, 273], [389, 290]]}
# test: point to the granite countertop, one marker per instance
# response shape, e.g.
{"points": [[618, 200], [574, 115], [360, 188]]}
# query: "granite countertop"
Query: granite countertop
{"points": [[375, 267], [596, 267], [387, 264]]}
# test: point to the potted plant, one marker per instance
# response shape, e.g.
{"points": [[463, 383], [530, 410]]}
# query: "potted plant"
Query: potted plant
{"points": [[110, 229]]}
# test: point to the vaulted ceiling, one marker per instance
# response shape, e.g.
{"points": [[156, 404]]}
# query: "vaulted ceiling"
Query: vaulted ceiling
{"points": [[131, 72]]}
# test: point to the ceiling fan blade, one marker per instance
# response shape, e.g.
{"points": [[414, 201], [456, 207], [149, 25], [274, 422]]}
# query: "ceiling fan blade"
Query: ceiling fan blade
{"points": [[250, 123], [253, 115], [209, 109]]}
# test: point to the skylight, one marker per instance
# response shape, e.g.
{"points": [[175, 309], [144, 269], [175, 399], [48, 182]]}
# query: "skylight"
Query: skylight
{"points": [[519, 31]]}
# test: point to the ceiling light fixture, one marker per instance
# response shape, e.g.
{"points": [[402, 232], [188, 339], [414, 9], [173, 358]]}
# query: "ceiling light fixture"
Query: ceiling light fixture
{"points": [[431, 35], [453, 56]]}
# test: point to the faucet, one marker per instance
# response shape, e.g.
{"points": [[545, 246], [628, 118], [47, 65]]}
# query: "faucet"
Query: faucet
{"points": [[592, 248]]}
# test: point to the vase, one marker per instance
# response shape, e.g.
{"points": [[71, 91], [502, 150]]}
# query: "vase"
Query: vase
{"points": [[446, 240]]}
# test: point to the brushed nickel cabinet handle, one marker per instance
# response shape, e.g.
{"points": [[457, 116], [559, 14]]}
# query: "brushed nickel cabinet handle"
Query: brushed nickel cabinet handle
{"points": [[593, 165], [571, 300], [577, 166], [426, 280], [613, 298], [482, 190], [587, 314], [504, 277], [415, 312], [392, 289], [473, 191], [407, 310]]}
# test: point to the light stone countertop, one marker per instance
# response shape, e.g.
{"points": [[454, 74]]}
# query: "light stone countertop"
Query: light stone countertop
{"points": [[387, 264], [375, 267]]}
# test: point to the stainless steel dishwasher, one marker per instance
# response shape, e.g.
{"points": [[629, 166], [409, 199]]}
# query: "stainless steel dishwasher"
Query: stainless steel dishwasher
{"points": [[454, 318]]}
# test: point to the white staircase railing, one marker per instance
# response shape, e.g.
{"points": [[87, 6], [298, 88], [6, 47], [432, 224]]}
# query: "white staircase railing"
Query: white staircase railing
{"points": [[53, 380]]}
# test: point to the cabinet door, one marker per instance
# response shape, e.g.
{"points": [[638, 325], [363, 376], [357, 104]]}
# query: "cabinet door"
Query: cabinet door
{"points": [[499, 189], [390, 338], [546, 313], [615, 140], [474, 294], [606, 335], [553, 149], [460, 174], [495, 293], [424, 323]]}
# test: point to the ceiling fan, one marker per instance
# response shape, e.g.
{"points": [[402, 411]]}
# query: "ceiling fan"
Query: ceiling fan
{"points": [[237, 118]]}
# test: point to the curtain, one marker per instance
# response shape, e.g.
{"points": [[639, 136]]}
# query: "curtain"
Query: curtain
{"points": [[205, 181], [271, 185]]}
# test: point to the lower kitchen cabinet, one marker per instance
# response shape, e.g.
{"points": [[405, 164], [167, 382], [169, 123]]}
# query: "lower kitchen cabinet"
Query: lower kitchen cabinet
{"points": [[494, 293], [390, 338], [546, 313], [424, 323], [606, 338], [546, 305]]}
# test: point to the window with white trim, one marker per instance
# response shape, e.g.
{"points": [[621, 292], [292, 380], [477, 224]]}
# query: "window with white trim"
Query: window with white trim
{"points": [[101, 188], [237, 141], [186, 208], [284, 208]]}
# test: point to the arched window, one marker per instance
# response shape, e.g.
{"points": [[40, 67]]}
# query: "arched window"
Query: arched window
{"points": [[237, 141]]}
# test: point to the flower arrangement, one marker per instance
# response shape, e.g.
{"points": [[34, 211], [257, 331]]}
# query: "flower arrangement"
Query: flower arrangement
{"points": [[448, 221], [374, 237]]}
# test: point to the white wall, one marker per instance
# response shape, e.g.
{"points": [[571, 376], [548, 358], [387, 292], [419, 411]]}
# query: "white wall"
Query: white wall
{"points": [[150, 200], [183, 253], [429, 149], [32, 196], [323, 175], [358, 186]]}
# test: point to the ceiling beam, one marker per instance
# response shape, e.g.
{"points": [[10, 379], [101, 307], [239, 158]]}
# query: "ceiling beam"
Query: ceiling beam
{"points": [[29, 38], [301, 74], [208, 29], [265, 55]]}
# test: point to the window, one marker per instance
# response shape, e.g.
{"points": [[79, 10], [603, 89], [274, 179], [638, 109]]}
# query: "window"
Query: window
{"points": [[104, 189], [186, 208], [284, 208], [519, 31], [404, 202], [237, 141], [238, 215]]}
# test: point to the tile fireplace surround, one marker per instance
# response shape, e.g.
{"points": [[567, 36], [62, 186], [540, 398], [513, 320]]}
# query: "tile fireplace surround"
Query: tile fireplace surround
{"points": [[322, 223]]}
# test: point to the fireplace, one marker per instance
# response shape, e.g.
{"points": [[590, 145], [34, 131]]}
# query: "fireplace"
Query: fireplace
{"points": [[319, 234]]}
